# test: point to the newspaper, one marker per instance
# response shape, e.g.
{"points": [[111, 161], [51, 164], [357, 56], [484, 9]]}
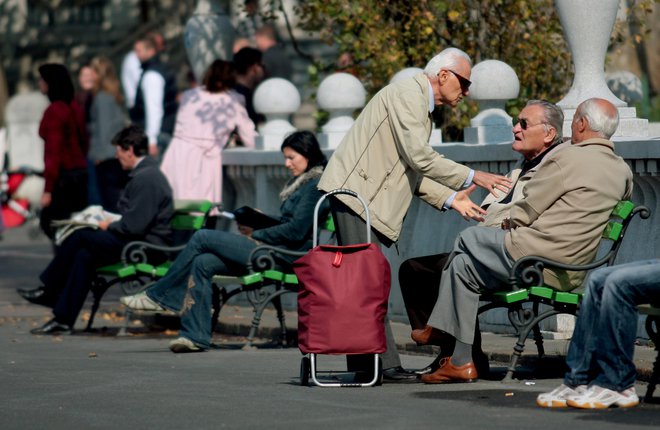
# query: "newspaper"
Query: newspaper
{"points": [[87, 218]]}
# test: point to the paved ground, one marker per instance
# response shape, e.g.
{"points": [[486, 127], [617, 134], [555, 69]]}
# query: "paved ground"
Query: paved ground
{"points": [[99, 380]]}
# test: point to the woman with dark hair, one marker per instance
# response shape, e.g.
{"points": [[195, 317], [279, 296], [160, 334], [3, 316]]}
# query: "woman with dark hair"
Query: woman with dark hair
{"points": [[65, 147], [206, 118], [186, 289]]}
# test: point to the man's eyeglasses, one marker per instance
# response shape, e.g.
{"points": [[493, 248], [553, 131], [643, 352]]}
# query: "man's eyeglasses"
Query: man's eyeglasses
{"points": [[465, 82], [525, 125]]}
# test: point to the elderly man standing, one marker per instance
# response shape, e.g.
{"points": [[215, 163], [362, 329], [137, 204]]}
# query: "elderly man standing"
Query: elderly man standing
{"points": [[419, 277], [562, 215], [386, 158]]}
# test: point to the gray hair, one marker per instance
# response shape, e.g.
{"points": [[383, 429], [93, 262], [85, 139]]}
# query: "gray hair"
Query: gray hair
{"points": [[447, 60], [600, 120], [553, 116]]}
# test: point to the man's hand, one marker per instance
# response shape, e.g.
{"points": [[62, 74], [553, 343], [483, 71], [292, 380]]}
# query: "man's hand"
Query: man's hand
{"points": [[153, 151], [103, 224], [491, 182], [465, 207], [245, 230], [46, 199]]}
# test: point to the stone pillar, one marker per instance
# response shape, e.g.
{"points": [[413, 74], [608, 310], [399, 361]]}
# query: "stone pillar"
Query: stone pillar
{"points": [[340, 94], [208, 36], [277, 99], [587, 27], [493, 83]]}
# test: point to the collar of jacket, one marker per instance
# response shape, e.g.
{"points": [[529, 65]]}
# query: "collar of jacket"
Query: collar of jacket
{"points": [[596, 141], [295, 183], [147, 161]]}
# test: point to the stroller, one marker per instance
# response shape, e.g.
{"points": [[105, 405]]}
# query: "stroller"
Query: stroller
{"points": [[342, 302]]}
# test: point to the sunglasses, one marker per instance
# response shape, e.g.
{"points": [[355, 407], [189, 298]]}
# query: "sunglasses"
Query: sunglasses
{"points": [[465, 82], [525, 125]]}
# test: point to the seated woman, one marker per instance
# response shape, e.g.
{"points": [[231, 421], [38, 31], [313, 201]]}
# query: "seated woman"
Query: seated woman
{"points": [[186, 289]]}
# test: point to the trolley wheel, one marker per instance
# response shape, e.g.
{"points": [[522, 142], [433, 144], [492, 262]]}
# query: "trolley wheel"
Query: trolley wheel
{"points": [[379, 382], [305, 371]]}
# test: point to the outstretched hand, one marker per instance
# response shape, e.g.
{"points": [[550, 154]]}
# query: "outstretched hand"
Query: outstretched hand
{"points": [[466, 207], [491, 182]]}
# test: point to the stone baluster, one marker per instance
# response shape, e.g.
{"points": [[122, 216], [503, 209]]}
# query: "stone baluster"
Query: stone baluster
{"points": [[493, 83], [208, 36], [340, 94], [587, 27], [277, 99]]}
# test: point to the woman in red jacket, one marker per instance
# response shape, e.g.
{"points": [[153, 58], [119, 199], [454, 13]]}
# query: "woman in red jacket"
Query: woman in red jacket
{"points": [[65, 148]]}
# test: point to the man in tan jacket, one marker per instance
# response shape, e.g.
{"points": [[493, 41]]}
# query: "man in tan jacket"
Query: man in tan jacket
{"points": [[564, 210], [386, 158], [419, 277]]}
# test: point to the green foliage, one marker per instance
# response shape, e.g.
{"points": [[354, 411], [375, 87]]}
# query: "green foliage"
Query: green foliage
{"points": [[385, 36]]}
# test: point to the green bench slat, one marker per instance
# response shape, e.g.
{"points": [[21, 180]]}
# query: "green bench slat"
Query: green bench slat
{"points": [[187, 206], [119, 270], [188, 222], [613, 230], [543, 292], [567, 298], [508, 296], [274, 275], [290, 278], [623, 209]]}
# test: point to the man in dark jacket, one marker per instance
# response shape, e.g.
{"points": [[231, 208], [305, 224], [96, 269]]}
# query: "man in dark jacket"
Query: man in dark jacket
{"points": [[146, 209]]}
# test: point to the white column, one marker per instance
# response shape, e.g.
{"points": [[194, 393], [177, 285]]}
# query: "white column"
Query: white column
{"points": [[587, 27], [493, 83], [277, 99], [340, 94]]}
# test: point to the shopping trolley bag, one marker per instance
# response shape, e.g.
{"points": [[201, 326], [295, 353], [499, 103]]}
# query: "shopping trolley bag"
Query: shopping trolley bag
{"points": [[342, 301]]}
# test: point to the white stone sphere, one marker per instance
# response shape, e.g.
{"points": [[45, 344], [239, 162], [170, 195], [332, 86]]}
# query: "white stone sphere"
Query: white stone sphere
{"points": [[405, 73], [276, 96], [494, 80], [341, 91]]}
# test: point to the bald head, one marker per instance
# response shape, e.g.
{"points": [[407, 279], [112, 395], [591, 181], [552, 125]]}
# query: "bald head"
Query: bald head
{"points": [[594, 118]]}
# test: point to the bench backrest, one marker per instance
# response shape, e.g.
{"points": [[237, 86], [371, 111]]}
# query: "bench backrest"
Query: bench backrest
{"points": [[616, 227], [190, 214]]}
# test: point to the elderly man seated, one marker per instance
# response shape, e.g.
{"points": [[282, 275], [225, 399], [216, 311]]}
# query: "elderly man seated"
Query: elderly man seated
{"points": [[146, 209], [564, 210], [419, 277]]}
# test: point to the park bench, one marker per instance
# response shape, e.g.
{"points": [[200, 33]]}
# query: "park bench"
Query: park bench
{"points": [[527, 291], [143, 263]]}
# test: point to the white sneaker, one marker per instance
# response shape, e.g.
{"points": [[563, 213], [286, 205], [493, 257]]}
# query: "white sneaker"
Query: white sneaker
{"points": [[183, 344], [602, 398], [140, 302], [557, 397]]}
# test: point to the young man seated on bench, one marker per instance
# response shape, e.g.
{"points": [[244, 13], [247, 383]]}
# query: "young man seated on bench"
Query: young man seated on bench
{"points": [[419, 277], [564, 210], [146, 209], [600, 358]]}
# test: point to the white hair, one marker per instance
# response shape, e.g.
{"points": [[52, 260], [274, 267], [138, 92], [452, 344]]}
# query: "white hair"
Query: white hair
{"points": [[447, 59], [600, 120]]}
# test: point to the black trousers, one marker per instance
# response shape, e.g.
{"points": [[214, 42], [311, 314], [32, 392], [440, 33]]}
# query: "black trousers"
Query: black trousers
{"points": [[69, 195], [351, 229], [68, 277]]}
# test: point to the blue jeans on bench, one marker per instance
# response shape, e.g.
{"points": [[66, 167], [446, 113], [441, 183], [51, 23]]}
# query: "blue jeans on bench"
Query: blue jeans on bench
{"points": [[603, 344], [186, 288]]}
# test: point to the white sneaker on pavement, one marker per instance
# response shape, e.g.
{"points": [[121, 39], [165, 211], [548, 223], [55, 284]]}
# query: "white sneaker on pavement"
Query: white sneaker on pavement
{"points": [[140, 302], [602, 398], [183, 344], [557, 397]]}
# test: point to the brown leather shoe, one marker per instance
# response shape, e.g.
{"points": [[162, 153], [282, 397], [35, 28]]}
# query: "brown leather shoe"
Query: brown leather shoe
{"points": [[429, 336], [448, 373]]}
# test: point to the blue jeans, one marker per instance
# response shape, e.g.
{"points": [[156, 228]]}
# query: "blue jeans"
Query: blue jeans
{"points": [[186, 288], [601, 351]]}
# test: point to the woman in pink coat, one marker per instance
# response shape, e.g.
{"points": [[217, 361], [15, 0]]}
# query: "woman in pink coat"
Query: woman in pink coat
{"points": [[206, 118]]}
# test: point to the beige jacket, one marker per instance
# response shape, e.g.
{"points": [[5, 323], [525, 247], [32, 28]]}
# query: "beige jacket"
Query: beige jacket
{"points": [[566, 206], [386, 158], [498, 211]]}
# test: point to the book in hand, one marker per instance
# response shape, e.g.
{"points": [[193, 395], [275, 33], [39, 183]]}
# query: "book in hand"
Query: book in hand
{"points": [[251, 217]]}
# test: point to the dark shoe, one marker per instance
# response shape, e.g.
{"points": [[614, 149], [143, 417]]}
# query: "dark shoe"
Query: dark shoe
{"points": [[448, 373], [52, 327], [38, 296], [429, 336], [399, 375], [432, 367]]}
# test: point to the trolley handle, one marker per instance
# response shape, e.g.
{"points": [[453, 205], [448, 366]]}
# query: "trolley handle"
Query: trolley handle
{"points": [[332, 193]]}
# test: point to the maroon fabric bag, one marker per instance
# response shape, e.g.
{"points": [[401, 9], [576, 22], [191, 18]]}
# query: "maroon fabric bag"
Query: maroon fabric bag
{"points": [[342, 301]]}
